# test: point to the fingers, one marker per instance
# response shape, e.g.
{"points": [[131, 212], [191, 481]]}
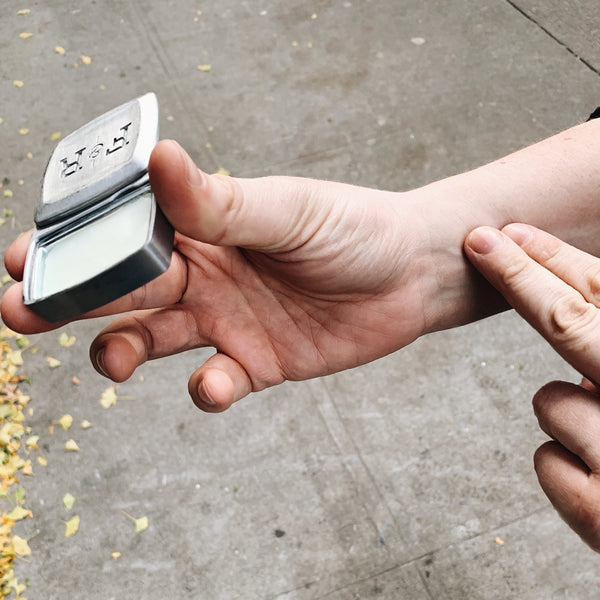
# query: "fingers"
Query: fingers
{"points": [[217, 384], [140, 336], [572, 489], [557, 310], [570, 414], [265, 213], [14, 257], [165, 290], [568, 468], [132, 340]]}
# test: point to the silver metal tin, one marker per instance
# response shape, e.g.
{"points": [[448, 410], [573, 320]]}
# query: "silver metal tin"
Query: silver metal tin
{"points": [[99, 232]]}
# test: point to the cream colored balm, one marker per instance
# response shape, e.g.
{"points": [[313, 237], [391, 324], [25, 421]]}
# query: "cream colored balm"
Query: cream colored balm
{"points": [[81, 255]]}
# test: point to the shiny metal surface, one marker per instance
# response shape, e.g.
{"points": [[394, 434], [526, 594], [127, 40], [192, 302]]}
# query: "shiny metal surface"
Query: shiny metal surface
{"points": [[99, 158]]}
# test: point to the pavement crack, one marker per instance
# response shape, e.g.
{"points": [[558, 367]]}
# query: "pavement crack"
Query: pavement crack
{"points": [[531, 18]]}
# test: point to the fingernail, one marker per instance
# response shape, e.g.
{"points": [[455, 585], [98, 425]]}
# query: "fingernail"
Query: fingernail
{"points": [[99, 360], [484, 240], [205, 394], [518, 233]]}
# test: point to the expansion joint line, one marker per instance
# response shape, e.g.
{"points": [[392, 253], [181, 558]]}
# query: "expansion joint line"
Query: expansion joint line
{"points": [[551, 35]]}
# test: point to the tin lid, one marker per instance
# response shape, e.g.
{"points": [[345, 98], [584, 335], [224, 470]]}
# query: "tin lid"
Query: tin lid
{"points": [[98, 159]]}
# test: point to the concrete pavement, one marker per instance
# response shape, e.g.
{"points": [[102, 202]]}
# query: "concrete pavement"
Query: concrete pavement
{"points": [[409, 478]]}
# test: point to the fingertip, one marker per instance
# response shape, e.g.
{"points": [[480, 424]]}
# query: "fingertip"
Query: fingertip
{"points": [[483, 240], [18, 317], [212, 390], [518, 233], [114, 357], [14, 257]]}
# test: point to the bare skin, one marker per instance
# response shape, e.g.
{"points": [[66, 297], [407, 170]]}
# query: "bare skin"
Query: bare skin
{"points": [[290, 278], [557, 289]]}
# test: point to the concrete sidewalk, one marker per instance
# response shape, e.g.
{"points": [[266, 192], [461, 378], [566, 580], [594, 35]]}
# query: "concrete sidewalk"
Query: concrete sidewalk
{"points": [[410, 478]]}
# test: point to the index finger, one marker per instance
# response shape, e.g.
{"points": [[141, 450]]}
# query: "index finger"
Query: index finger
{"points": [[14, 257], [557, 310], [167, 289]]}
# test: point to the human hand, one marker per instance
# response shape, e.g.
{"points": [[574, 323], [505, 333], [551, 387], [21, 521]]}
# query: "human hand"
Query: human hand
{"points": [[556, 288], [287, 278]]}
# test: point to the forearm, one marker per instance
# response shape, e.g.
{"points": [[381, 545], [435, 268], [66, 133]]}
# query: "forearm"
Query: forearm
{"points": [[554, 185]]}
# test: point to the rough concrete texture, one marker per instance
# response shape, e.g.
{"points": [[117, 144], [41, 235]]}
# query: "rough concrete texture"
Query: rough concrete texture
{"points": [[391, 481]]}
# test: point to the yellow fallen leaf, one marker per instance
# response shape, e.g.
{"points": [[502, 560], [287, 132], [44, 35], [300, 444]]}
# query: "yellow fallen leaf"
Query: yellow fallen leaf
{"points": [[86, 60], [68, 501], [115, 555], [109, 397], [53, 362], [499, 541], [32, 442], [75, 380], [7, 193], [21, 546], [1, 120], [222, 171], [204, 68], [54, 137], [23, 11], [141, 524], [18, 513], [42, 461], [71, 446], [29, 155], [27, 468], [85, 424], [65, 421], [71, 526], [64, 339], [25, 35], [23, 131], [18, 83], [59, 50]]}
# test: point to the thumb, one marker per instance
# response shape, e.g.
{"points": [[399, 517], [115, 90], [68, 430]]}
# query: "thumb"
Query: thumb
{"points": [[259, 214]]}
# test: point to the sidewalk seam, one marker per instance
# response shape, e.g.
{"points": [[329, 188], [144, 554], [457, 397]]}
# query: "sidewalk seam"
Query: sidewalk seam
{"points": [[551, 35]]}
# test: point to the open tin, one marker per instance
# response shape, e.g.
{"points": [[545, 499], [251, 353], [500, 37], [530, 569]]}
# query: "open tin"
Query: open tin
{"points": [[99, 233]]}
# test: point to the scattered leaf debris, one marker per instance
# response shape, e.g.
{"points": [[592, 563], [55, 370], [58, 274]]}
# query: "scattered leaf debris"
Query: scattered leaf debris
{"points": [[86, 60], [109, 397], [71, 446], [66, 340], [204, 68], [68, 501], [140, 524], [71, 526], [53, 363], [65, 421], [59, 50], [25, 35], [21, 546]]}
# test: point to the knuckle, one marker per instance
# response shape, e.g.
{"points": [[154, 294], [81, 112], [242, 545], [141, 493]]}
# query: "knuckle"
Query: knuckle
{"points": [[231, 200], [592, 276], [512, 273], [571, 316]]}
